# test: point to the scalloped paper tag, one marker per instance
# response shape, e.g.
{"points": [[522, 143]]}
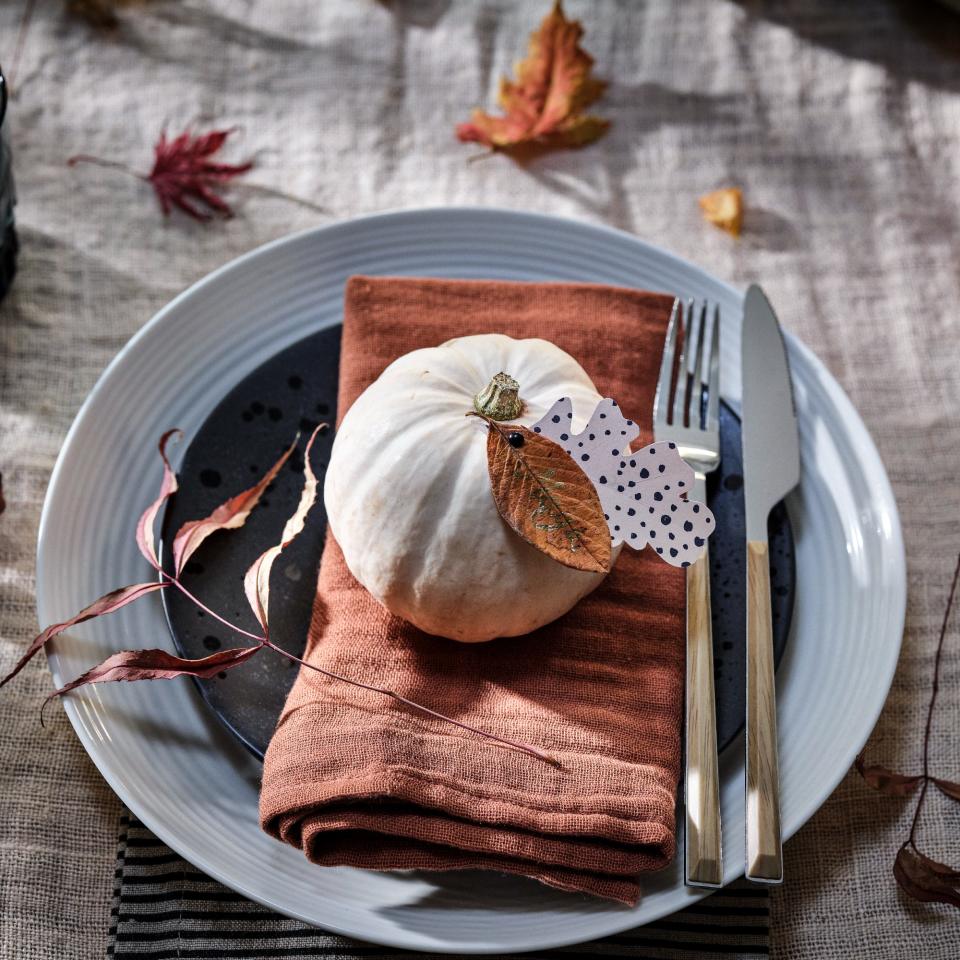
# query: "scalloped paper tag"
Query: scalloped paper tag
{"points": [[643, 493]]}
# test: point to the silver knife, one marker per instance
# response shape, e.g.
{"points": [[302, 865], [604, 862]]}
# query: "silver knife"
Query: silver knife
{"points": [[771, 469]]}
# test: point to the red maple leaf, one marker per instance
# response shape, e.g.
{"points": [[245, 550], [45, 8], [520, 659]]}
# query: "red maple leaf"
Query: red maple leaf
{"points": [[183, 172], [184, 175]]}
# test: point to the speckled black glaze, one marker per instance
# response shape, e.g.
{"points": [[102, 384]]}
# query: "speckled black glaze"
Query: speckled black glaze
{"points": [[242, 437], [249, 429]]}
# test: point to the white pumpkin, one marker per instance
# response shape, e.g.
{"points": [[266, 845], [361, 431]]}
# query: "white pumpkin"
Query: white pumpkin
{"points": [[408, 494]]}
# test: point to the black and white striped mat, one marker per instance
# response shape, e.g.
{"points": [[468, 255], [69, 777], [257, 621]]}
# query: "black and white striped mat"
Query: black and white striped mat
{"points": [[165, 909]]}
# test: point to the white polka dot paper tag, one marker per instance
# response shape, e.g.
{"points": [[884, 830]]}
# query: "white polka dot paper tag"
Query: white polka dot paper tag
{"points": [[644, 493]]}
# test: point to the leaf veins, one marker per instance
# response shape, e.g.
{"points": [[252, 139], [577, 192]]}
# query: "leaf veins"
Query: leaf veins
{"points": [[546, 498]]}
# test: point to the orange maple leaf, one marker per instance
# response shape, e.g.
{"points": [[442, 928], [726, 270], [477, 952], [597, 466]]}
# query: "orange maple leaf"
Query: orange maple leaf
{"points": [[545, 104]]}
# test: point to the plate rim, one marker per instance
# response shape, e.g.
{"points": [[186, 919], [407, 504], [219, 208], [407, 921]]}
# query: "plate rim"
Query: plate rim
{"points": [[867, 454]]}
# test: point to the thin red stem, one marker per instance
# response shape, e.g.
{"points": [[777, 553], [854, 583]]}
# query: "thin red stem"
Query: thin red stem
{"points": [[265, 641], [933, 700], [513, 744], [213, 613], [263, 189], [99, 162]]}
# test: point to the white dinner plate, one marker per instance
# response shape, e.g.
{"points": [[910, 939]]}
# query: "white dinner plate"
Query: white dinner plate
{"points": [[191, 783]]}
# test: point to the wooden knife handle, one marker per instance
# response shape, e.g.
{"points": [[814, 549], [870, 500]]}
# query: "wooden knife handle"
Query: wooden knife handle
{"points": [[702, 839], [764, 853]]}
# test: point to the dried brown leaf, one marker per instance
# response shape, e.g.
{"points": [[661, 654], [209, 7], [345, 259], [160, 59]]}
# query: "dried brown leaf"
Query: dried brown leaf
{"points": [[106, 604], [884, 780], [256, 582], [158, 665], [99, 13], [168, 486], [546, 498], [925, 879], [228, 516], [948, 788]]}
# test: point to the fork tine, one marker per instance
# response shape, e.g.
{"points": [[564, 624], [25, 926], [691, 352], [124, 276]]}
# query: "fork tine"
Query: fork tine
{"points": [[698, 324], [713, 379], [661, 401], [680, 397]]}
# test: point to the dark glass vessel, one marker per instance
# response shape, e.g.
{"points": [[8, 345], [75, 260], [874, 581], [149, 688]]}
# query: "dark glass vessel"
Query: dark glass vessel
{"points": [[8, 197]]}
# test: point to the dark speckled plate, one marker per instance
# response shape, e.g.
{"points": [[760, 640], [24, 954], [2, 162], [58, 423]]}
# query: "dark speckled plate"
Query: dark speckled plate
{"points": [[253, 424]]}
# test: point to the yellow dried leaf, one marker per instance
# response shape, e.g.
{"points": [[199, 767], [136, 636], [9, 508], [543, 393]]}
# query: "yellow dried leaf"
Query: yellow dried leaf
{"points": [[724, 209]]}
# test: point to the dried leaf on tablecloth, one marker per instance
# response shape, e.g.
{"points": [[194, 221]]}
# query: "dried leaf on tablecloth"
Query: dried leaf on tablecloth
{"points": [[724, 209], [168, 486], [230, 515], [100, 13], [919, 876], [925, 879], [256, 582], [948, 788], [884, 780], [546, 498], [111, 601], [184, 174], [545, 104]]}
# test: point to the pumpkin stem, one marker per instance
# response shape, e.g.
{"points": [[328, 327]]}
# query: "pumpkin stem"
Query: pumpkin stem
{"points": [[499, 399]]}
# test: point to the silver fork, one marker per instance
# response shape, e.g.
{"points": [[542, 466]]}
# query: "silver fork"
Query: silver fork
{"points": [[694, 426]]}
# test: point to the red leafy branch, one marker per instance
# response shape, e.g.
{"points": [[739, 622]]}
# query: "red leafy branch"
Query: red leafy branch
{"points": [[184, 174], [228, 516], [106, 604], [155, 665], [918, 875], [129, 665]]}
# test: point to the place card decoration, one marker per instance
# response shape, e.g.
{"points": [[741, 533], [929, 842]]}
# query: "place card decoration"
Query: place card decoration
{"points": [[576, 496]]}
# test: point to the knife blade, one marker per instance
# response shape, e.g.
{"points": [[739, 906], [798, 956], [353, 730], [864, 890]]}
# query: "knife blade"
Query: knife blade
{"points": [[771, 469]]}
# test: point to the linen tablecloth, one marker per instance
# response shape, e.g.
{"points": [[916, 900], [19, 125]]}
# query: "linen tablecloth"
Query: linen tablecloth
{"points": [[840, 121]]}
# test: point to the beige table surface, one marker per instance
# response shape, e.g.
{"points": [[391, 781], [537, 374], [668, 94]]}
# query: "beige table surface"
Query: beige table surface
{"points": [[840, 120]]}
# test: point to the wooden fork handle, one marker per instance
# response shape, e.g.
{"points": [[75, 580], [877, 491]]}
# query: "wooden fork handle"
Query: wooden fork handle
{"points": [[764, 854], [702, 840]]}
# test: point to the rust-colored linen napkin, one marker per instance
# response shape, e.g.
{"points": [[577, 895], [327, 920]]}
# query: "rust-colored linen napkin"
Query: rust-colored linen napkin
{"points": [[355, 778]]}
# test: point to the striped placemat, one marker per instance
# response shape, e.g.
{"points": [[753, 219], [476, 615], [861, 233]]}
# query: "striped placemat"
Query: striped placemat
{"points": [[166, 909]]}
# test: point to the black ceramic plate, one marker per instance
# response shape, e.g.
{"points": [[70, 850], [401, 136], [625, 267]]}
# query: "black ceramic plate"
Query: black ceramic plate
{"points": [[249, 429]]}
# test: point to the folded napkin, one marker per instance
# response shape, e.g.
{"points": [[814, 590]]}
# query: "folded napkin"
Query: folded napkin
{"points": [[355, 778]]}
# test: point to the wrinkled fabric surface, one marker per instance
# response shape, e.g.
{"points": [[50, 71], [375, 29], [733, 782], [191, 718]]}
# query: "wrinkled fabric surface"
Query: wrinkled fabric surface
{"points": [[840, 121]]}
